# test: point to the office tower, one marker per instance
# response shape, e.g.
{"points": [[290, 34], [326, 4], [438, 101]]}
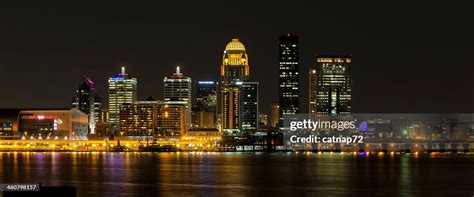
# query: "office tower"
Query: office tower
{"points": [[234, 70], [171, 118], [206, 101], [206, 95], [87, 100], [312, 92], [178, 89], [139, 119], [249, 106], [275, 114], [122, 89], [334, 85], [289, 82], [230, 117]]}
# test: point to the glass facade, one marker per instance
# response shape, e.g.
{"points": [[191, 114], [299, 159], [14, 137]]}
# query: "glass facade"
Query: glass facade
{"points": [[206, 103], [87, 100], [206, 95]]}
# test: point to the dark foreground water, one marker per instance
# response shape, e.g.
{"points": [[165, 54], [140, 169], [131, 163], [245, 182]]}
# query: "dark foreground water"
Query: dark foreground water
{"points": [[154, 174]]}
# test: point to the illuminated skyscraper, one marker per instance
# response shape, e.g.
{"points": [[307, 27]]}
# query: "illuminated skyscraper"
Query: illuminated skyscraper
{"points": [[87, 100], [249, 106], [234, 70], [235, 67], [178, 89], [206, 95], [333, 85], [289, 83], [312, 91], [275, 114], [122, 89], [206, 103]]}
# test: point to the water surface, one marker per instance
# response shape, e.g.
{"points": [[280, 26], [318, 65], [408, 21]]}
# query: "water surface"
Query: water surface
{"points": [[153, 174]]}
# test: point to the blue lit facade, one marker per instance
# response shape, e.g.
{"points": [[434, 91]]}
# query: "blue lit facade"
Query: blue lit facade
{"points": [[122, 89]]}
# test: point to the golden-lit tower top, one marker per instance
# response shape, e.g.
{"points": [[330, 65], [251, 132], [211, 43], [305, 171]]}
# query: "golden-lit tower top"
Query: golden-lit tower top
{"points": [[235, 45], [235, 65]]}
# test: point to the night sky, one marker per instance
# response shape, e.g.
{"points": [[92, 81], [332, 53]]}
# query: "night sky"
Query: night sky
{"points": [[406, 57]]}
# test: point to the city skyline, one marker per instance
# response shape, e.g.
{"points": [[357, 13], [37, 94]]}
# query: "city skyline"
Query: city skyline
{"points": [[58, 44], [236, 98]]}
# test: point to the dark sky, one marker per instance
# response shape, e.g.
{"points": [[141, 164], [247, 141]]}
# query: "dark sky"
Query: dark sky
{"points": [[408, 57]]}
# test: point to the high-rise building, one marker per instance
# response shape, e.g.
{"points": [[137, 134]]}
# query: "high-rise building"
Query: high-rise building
{"points": [[171, 118], [139, 119], [87, 100], [122, 89], [312, 91], [178, 89], [206, 95], [234, 70], [235, 67], [206, 100], [289, 83], [275, 115], [230, 117], [333, 85], [249, 106]]}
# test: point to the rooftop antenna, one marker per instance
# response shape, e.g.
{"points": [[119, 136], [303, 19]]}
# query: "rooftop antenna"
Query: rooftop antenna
{"points": [[178, 70]]}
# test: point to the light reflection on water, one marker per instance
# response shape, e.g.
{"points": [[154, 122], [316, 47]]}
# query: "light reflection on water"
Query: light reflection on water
{"points": [[305, 173]]}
